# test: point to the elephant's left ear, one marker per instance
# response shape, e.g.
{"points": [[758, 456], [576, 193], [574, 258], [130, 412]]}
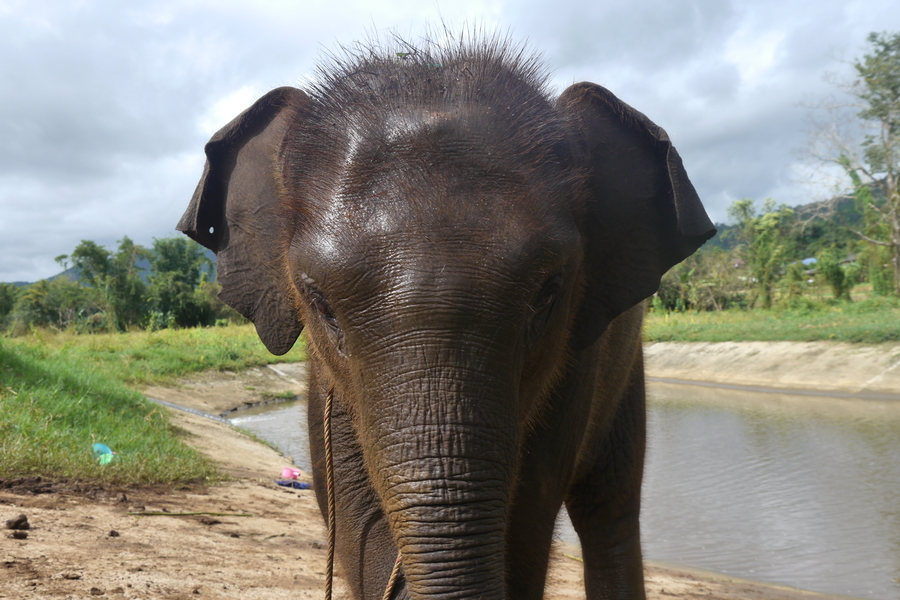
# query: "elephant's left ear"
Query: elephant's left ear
{"points": [[234, 212], [641, 214]]}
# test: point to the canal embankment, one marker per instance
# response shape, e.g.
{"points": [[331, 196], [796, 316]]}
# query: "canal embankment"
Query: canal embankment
{"points": [[824, 368]]}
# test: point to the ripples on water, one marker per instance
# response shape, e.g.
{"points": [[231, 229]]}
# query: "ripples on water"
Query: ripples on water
{"points": [[799, 491], [792, 490]]}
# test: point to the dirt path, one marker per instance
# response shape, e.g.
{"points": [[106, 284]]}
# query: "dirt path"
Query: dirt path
{"points": [[263, 541]]}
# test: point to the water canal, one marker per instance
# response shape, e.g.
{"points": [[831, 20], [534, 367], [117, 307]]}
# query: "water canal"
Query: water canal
{"points": [[794, 490]]}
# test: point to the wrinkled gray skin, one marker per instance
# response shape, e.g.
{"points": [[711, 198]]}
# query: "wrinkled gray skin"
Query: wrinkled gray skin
{"points": [[469, 258]]}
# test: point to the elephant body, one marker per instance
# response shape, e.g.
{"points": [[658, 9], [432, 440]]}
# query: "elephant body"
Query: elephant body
{"points": [[469, 258]]}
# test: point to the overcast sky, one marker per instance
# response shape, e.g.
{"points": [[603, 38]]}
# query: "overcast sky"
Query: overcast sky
{"points": [[105, 106]]}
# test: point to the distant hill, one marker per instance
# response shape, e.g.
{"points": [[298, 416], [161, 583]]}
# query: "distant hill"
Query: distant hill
{"points": [[819, 225], [826, 223], [70, 273], [725, 242]]}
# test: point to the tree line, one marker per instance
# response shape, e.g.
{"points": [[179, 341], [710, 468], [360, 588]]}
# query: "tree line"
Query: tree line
{"points": [[171, 284], [778, 255], [774, 255]]}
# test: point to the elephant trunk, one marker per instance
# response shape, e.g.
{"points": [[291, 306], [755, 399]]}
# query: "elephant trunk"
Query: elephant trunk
{"points": [[443, 456], [451, 547]]}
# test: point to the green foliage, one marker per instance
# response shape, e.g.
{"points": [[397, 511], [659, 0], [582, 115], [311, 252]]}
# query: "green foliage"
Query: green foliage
{"points": [[110, 293], [8, 295], [878, 86], [841, 278], [175, 302], [874, 170], [116, 279], [795, 281], [763, 242], [759, 263], [180, 292], [181, 257], [875, 264], [53, 408], [707, 280], [34, 305], [820, 225], [59, 303]]}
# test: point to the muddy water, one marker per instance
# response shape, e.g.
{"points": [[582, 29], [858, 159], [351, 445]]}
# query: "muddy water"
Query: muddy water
{"points": [[793, 490], [283, 425]]}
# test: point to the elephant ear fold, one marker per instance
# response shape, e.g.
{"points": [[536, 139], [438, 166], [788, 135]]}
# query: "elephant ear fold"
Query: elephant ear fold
{"points": [[234, 212], [641, 214]]}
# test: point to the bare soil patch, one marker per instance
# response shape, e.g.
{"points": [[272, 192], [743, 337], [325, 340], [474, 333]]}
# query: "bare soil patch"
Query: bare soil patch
{"points": [[223, 392], [247, 538]]}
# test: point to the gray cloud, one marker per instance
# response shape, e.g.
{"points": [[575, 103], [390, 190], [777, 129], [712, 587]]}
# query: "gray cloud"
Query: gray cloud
{"points": [[105, 106]]}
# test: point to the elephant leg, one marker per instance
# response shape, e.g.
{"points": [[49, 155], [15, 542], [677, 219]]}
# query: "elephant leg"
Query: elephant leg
{"points": [[365, 550], [604, 504], [529, 539], [547, 464]]}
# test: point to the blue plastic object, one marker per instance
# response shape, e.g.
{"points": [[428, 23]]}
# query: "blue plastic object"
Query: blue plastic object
{"points": [[297, 485], [103, 453]]}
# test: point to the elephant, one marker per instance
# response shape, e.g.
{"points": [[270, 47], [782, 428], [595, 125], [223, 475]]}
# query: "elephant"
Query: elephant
{"points": [[469, 256]]}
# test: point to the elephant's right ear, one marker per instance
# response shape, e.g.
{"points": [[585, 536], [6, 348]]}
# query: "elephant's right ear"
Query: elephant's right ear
{"points": [[641, 214], [234, 213]]}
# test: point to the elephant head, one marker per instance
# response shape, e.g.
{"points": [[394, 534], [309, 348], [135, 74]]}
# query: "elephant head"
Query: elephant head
{"points": [[453, 240]]}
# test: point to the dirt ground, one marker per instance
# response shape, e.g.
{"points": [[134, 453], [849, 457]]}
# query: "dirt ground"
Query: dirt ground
{"points": [[245, 539]]}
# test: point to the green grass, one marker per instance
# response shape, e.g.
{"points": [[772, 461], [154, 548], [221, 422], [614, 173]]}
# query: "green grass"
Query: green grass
{"points": [[52, 409], [871, 321], [60, 393], [159, 357]]}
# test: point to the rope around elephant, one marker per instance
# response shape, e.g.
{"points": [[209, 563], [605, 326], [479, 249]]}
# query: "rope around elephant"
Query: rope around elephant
{"points": [[329, 476]]}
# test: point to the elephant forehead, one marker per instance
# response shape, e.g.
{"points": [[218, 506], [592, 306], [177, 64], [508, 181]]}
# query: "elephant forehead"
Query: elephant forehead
{"points": [[457, 192], [425, 197], [413, 123], [483, 228]]}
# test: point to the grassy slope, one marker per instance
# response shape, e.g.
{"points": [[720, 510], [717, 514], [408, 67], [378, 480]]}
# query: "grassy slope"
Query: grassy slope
{"points": [[159, 357], [870, 322], [60, 393]]}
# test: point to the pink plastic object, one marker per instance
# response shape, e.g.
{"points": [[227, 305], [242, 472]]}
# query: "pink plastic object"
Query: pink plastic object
{"points": [[290, 473]]}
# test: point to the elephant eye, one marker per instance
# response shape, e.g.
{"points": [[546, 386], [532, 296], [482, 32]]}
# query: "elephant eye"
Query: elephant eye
{"points": [[326, 315], [548, 293], [542, 307], [323, 308]]}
